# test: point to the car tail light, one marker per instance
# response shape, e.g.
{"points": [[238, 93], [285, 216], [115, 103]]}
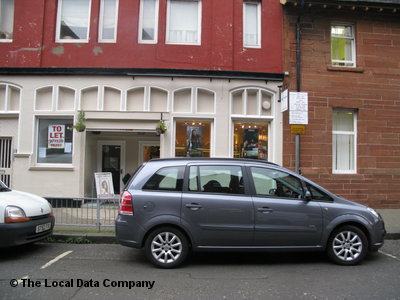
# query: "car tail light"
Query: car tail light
{"points": [[126, 204], [14, 214]]}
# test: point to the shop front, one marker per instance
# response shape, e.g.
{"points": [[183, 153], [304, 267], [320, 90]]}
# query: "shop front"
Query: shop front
{"points": [[202, 117]]}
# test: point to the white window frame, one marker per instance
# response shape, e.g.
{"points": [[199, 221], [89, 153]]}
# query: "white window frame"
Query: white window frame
{"points": [[258, 3], [10, 39], [199, 4], [58, 26], [101, 40], [336, 62], [35, 143], [140, 39], [350, 133]]}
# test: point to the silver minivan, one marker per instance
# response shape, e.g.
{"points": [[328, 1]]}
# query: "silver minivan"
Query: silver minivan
{"points": [[172, 206]]}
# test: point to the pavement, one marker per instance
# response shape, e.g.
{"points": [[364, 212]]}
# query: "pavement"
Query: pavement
{"points": [[390, 216]]}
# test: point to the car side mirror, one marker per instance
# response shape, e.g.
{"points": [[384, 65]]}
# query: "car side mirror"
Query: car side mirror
{"points": [[307, 196]]}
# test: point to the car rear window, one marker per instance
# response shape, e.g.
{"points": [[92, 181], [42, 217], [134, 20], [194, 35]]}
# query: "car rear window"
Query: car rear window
{"points": [[166, 179]]}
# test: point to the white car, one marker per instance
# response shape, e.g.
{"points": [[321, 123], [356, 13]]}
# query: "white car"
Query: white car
{"points": [[24, 218]]}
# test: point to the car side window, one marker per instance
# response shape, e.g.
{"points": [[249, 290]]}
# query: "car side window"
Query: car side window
{"points": [[166, 179], [269, 182], [216, 179], [316, 194]]}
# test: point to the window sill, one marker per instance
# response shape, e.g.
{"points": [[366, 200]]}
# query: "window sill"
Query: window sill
{"points": [[345, 69], [51, 168]]}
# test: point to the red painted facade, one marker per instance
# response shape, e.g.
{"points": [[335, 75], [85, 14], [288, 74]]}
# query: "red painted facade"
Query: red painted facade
{"points": [[221, 40]]}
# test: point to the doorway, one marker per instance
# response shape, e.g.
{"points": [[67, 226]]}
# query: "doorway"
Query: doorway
{"points": [[111, 158]]}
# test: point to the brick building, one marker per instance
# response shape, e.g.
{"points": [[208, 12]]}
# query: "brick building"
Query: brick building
{"points": [[350, 67]]}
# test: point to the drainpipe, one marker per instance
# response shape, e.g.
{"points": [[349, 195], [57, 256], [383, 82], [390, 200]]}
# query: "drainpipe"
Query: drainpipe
{"points": [[298, 82]]}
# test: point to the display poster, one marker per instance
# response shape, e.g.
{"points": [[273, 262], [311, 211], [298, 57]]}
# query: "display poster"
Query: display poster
{"points": [[194, 142], [250, 143], [104, 185], [56, 137]]}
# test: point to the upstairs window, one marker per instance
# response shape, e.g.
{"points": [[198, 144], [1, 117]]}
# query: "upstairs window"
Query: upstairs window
{"points": [[343, 45], [6, 20], [148, 22], [344, 141], [73, 21], [108, 21], [252, 24], [184, 22]]}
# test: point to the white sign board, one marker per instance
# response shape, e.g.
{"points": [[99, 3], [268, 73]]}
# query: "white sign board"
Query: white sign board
{"points": [[284, 100], [56, 137], [104, 185], [298, 108]]}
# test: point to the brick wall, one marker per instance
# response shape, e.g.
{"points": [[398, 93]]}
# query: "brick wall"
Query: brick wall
{"points": [[372, 89]]}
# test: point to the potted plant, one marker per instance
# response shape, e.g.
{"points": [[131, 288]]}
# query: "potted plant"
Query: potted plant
{"points": [[80, 123], [161, 127]]}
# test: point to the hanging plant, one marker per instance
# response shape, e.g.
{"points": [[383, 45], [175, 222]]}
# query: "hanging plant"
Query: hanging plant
{"points": [[80, 123], [161, 127]]}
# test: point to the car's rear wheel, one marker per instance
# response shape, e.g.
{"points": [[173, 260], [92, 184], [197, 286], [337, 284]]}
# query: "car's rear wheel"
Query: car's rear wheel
{"points": [[166, 247], [347, 245]]}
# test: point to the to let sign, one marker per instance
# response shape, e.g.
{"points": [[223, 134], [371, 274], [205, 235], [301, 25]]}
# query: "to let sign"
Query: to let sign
{"points": [[56, 137], [298, 108]]}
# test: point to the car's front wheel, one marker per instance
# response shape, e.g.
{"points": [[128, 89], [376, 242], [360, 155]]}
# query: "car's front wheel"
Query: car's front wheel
{"points": [[166, 247], [347, 245]]}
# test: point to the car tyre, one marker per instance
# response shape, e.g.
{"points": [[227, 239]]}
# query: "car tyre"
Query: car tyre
{"points": [[347, 245], [166, 247]]}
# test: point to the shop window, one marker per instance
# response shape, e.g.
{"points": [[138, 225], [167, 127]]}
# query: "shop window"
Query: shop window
{"points": [[252, 24], [108, 21], [6, 20], [54, 141], [148, 22], [250, 140], [344, 141], [73, 21], [343, 45], [193, 138], [184, 22]]}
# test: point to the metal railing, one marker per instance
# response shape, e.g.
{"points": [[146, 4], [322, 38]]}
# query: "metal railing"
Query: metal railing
{"points": [[84, 212]]}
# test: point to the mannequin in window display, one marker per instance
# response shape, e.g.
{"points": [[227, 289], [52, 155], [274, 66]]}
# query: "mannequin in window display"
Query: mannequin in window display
{"points": [[194, 144]]}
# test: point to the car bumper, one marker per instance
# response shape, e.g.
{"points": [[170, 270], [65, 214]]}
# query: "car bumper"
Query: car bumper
{"points": [[124, 232], [14, 234]]}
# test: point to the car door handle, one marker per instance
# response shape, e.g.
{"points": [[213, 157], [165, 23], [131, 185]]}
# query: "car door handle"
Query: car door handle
{"points": [[265, 210], [194, 206]]}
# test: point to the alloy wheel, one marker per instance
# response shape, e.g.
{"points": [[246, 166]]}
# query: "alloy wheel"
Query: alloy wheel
{"points": [[166, 247], [347, 246]]}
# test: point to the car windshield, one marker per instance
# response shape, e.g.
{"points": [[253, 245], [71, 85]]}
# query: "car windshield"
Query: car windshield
{"points": [[3, 187]]}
